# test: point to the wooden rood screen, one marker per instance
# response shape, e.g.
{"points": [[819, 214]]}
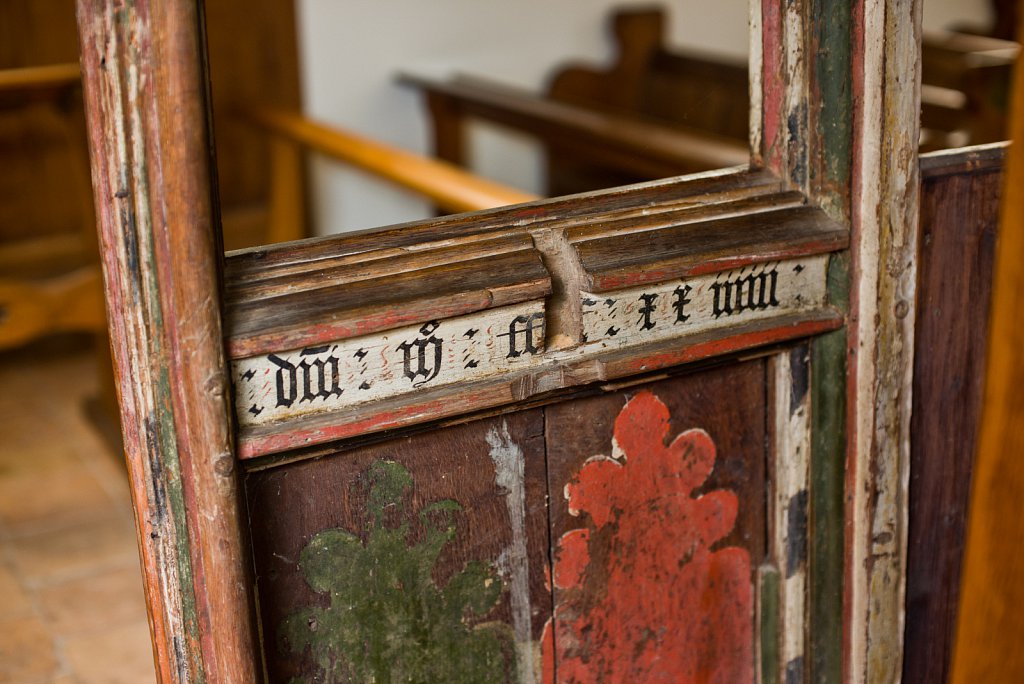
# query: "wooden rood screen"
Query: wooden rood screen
{"points": [[655, 433]]}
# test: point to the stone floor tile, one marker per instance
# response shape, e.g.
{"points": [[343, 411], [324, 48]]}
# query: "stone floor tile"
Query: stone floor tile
{"points": [[27, 651], [95, 603], [14, 600], [71, 603], [76, 551], [50, 498], [118, 656]]}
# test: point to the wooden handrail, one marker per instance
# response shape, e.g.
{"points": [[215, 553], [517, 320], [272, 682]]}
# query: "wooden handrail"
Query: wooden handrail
{"points": [[448, 186], [39, 78]]}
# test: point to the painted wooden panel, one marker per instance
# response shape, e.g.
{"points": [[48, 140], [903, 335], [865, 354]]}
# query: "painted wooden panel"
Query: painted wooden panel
{"points": [[418, 559], [658, 519], [959, 217]]}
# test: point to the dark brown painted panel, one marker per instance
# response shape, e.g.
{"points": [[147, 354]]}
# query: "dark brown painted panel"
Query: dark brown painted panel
{"points": [[959, 216], [658, 521], [459, 591]]}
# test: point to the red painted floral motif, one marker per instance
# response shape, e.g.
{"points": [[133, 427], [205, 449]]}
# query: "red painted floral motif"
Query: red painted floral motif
{"points": [[640, 595]]}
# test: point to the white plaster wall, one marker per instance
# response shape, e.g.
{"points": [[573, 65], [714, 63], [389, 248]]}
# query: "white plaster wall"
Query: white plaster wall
{"points": [[351, 51], [945, 14]]}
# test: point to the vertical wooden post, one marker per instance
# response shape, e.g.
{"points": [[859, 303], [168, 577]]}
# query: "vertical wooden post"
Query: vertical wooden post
{"points": [[887, 87], [449, 129], [146, 97], [839, 118]]}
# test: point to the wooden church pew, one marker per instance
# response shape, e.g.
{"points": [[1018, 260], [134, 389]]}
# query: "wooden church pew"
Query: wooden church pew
{"points": [[48, 275], [652, 113], [965, 90], [658, 111], [49, 279]]}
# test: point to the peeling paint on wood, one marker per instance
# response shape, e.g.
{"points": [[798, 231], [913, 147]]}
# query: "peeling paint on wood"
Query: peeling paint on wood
{"points": [[642, 595], [142, 66], [294, 503], [884, 250], [510, 475], [651, 313], [791, 456], [386, 619]]}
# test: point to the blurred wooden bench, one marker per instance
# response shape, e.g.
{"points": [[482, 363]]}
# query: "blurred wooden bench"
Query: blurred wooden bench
{"points": [[965, 89], [49, 278], [61, 300], [652, 113], [658, 111]]}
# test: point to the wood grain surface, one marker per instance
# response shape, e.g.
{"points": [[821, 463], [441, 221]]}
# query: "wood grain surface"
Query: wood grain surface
{"points": [[959, 216], [333, 512], [767, 249], [885, 134]]}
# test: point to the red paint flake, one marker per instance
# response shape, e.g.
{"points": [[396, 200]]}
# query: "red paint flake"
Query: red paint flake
{"points": [[640, 595]]}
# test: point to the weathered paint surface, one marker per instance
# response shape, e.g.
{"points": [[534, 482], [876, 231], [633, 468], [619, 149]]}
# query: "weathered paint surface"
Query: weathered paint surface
{"points": [[385, 618], [885, 239], [641, 596], [297, 382], [826, 524], [142, 69], [792, 454], [510, 475], [719, 300], [540, 379]]}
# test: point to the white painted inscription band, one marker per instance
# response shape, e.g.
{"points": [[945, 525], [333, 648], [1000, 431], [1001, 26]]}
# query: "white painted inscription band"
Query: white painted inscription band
{"points": [[342, 374]]}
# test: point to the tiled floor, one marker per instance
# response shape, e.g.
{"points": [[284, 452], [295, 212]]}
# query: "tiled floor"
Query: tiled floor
{"points": [[71, 605]]}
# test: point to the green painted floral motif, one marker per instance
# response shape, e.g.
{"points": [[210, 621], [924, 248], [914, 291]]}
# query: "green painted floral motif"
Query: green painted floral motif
{"points": [[387, 620]]}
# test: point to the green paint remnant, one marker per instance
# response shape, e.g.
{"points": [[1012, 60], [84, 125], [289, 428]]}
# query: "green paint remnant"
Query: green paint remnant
{"points": [[387, 620], [837, 282], [828, 441], [833, 64], [769, 614], [828, 467]]}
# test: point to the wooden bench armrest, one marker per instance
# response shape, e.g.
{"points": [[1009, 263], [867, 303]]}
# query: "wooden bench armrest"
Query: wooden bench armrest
{"points": [[448, 186], [53, 77]]}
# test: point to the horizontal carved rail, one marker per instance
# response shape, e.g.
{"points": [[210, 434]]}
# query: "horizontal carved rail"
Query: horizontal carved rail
{"points": [[352, 334]]}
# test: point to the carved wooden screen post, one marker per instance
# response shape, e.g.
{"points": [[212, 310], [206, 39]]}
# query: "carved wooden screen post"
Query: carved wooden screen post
{"points": [[651, 432]]}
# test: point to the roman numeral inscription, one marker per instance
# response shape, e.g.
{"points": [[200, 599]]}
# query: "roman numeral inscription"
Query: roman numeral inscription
{"points": [[745, 292], [707, 302], [292, 383]]}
